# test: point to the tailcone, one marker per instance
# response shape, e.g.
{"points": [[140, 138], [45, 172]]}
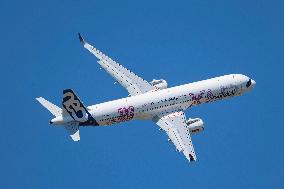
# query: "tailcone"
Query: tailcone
{"points": [[57, 121]]}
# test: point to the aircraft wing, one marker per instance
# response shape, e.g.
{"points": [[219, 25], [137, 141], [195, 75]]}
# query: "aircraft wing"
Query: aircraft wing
{"points": [[134, 84], [174, 125]]}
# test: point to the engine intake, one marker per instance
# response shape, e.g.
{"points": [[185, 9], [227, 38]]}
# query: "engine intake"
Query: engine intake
{"points": [[195, 125], [159, 83]]}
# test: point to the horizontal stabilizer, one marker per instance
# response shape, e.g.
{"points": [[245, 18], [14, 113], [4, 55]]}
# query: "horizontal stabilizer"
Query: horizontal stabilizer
{"points": [[73, 131], [55, 110]]}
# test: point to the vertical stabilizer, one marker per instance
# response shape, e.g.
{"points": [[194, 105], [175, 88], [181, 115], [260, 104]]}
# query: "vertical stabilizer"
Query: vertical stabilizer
{"points": [[73, 106]]}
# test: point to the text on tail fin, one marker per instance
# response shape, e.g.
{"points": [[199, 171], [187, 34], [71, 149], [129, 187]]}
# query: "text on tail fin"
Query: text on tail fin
{"points": [[75, 108]]}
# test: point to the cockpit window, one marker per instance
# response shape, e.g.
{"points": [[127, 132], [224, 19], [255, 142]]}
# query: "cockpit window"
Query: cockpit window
{"points": [[248, 83]]}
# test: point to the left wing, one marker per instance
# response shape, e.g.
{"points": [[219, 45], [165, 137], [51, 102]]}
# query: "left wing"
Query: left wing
{"points": [[174, 125], [133, 83]]}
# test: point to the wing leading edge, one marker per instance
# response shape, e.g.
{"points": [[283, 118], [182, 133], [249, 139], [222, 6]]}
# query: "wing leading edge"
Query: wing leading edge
{"points": [[174, 125], [134, 84]]}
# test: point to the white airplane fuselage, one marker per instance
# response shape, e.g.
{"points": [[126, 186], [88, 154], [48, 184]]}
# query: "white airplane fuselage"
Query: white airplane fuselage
{"points": [[147, 105], [147, 100]]}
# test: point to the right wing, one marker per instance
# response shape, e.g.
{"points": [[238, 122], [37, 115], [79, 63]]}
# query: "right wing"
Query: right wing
{"points": [[134, 84], [174, 125]]}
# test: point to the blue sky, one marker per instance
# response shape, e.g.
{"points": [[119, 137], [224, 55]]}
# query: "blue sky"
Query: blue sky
{"points": [[181, 41]]}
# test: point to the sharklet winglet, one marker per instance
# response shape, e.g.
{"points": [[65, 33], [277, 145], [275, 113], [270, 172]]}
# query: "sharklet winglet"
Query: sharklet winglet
{"points": [[82, 41]]}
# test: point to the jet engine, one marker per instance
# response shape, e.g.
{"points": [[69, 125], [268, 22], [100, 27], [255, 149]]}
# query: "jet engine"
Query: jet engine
{"points": [[195, 125], [159, 83]]}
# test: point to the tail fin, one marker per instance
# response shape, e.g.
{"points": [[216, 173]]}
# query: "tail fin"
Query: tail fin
{"points": [[55, 110], [75, 108]]}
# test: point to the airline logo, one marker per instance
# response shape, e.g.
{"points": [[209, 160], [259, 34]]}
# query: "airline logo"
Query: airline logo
{"points": [[74, 107], [126, 113]]}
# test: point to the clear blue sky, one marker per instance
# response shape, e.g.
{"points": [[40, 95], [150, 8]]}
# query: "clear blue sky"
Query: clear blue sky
{"points": [[181, 41]]}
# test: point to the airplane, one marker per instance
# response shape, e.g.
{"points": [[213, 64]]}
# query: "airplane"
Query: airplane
{"points": [[146, 101]]}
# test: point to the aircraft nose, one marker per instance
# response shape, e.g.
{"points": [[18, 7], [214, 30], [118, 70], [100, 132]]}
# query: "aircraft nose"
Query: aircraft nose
{"points": [[253, 83]]}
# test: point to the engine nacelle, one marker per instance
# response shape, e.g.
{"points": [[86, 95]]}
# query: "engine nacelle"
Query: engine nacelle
{"points": [[195, 125], [159, 83]]}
